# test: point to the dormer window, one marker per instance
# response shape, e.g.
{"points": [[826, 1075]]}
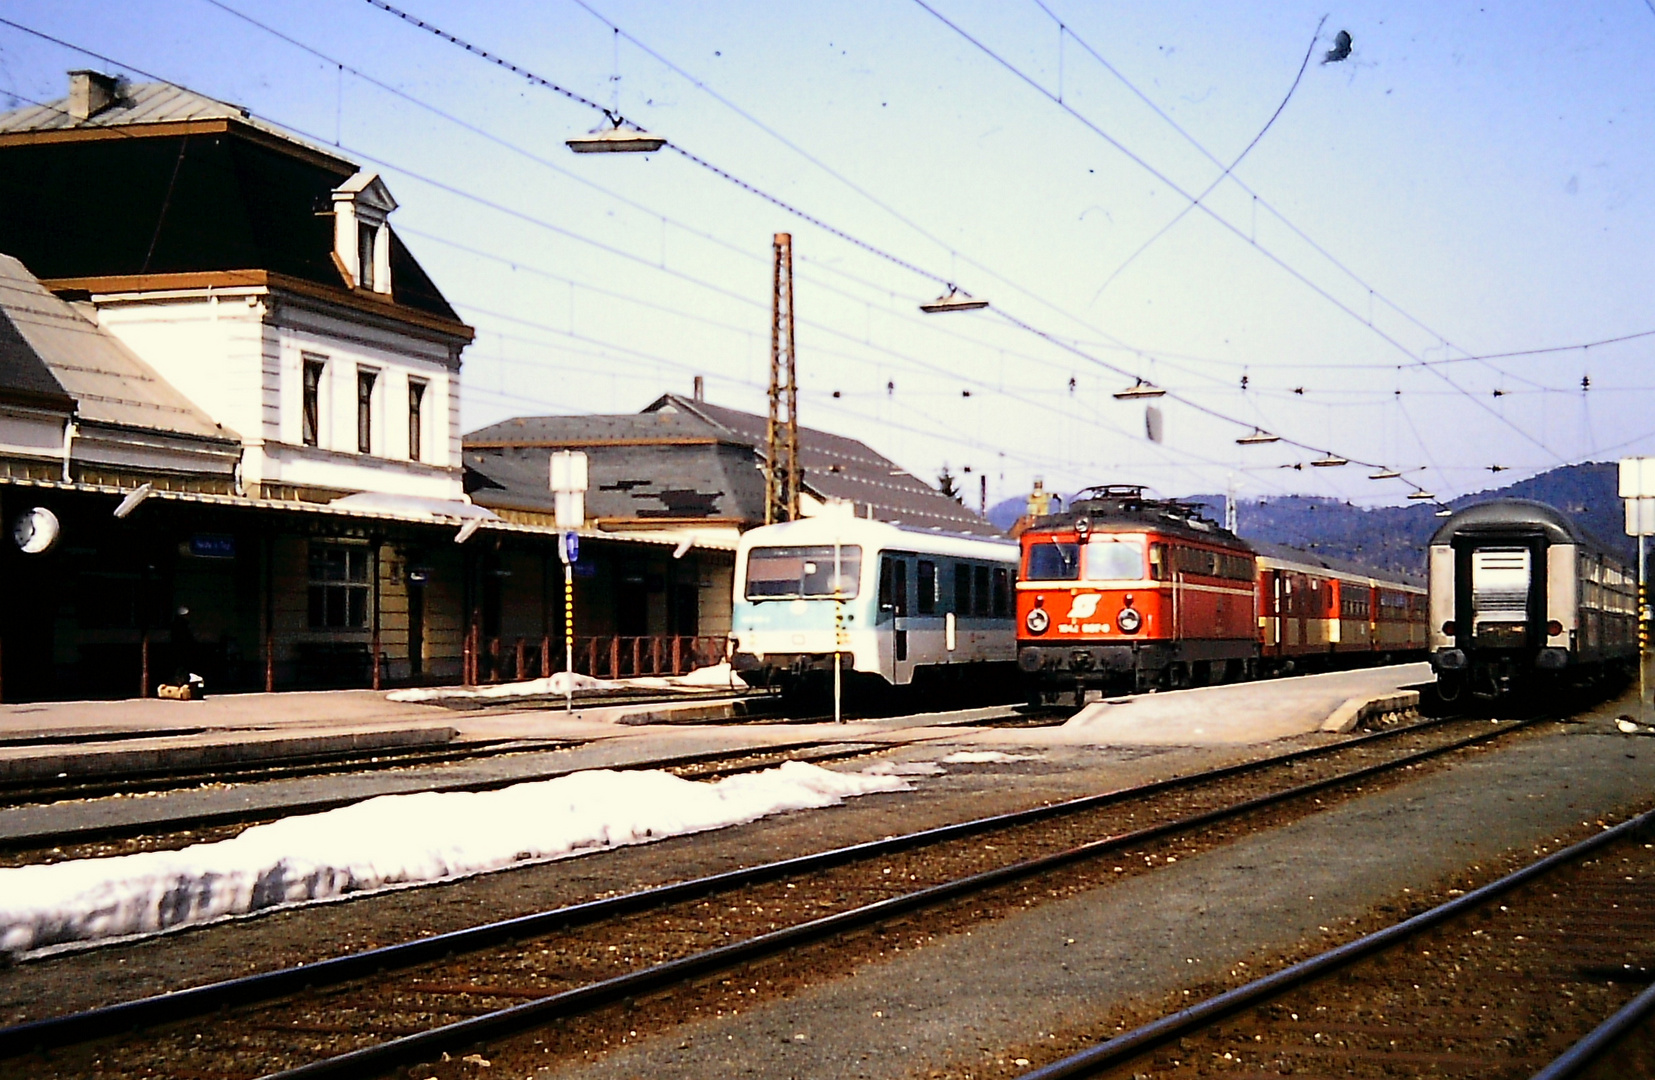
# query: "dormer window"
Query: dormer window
{"points": [[361, 237]]}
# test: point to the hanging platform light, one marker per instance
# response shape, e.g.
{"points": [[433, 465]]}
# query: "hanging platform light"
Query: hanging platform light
{"points": [[1331, 461], [1384, 474], [1421, 496], [618, 136], [1139, 389], [956, 300], [1258, 438]]}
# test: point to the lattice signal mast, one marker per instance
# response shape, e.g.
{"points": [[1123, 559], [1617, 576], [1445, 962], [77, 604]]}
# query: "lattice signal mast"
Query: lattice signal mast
{"points": [[781, 438]]}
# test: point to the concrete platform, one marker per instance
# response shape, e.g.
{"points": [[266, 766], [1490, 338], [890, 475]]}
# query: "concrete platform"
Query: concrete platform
{"points": [[1239, 712]]}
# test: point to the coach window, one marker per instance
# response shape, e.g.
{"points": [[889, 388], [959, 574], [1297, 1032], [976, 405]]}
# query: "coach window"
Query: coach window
{"points": [[983, 602], [962, 589], [927, 587], [1002, 591]]}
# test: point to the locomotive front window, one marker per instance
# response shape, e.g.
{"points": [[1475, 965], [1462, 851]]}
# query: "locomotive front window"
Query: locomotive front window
{"points": [[1114, 560], [784, 573], [1052, 561]]}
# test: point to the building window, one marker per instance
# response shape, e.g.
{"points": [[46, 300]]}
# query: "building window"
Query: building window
{"points": [[338, 587], [365, 236], [313, 400], [416, 409], [365, 410]]}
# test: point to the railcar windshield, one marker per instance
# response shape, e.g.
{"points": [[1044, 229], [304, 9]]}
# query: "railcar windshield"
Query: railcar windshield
{"points": [[1110, 558], [786, 573], [1049, 560]]}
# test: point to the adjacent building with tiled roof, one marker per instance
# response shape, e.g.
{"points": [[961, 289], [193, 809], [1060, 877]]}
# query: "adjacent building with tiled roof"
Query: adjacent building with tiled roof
{"points": [[685, 462]]}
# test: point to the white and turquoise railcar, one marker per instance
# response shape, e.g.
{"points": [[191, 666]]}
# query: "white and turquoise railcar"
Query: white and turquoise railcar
{"points": [[896, 604]]}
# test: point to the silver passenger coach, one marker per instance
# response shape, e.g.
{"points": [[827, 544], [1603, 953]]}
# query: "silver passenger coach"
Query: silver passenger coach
{"points": [[1520, 595]]}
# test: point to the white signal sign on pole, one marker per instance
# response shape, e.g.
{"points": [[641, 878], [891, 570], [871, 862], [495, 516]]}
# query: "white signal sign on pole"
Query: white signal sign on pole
{"points": [[568, 482], [568, 474]]}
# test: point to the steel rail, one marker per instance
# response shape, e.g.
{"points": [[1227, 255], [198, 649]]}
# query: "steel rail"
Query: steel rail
{"points": [[1117, 1050], [249, 989], [23, 792], [1585, 1053], [119, 830], [409, 1049]]}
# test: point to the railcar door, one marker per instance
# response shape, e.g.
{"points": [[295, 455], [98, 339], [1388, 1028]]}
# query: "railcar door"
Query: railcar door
{"points": [[893, 619]]}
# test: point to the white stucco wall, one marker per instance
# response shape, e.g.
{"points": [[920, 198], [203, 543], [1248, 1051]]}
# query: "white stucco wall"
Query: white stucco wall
{"points": [[239, 354]]}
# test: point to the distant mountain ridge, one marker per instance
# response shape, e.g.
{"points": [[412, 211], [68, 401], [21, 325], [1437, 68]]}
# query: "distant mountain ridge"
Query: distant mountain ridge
{"points": [[1395, 537]]}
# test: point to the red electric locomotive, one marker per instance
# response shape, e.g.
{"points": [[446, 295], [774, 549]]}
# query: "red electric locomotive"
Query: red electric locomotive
{"points": [[1122, 589]]}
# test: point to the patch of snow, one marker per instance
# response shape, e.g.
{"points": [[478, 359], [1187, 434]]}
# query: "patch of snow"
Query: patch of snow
{"points": [[392, 841], [904, 768], [557, 684], [983, 757]]}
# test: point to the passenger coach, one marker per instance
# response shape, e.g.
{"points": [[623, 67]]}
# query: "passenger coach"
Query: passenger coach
{"points": [[1520, 595], [900, 605]]}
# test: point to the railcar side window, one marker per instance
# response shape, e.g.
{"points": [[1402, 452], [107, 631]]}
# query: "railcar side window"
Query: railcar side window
{"points": [[777, 573], [927, 587], [1002, 591], [893, 586], [1052, 561], [1114, 560], [1159, 567], [962, 589], [981, 599]]}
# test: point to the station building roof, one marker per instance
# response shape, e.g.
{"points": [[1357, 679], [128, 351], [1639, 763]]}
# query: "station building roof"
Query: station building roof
{"points": [[151, 186], [51, 354]]}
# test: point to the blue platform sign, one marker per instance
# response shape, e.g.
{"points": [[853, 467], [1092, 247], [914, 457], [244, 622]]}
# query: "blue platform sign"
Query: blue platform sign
{"points": [[213, 546], [571, 548]]}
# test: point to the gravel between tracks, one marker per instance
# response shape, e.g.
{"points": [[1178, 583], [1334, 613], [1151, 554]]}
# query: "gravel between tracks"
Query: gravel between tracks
{"points": [[1062, 974]]}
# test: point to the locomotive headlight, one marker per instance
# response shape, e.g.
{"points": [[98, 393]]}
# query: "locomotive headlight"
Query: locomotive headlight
{"points": [[1129, 620], [1037, 621], [1554, 628]]}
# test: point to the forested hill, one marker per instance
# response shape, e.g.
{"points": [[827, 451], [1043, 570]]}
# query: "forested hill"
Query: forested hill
{"points": [[1394, 537]]}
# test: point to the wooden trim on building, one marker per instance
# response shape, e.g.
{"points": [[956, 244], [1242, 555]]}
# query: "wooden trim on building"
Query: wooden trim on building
{"points": [[361, 300]]}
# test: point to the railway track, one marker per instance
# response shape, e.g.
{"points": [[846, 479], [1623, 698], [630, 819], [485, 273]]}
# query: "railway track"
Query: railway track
{"points": [[368, 1012], [96, 840], [1499, 982], [146, 781]]}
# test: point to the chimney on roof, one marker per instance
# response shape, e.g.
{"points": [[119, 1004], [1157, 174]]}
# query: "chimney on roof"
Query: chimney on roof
{"points": [[90, 93], [700, 388]]}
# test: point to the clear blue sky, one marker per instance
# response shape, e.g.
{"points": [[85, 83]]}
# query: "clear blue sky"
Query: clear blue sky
{"points": [[1471, 180]]}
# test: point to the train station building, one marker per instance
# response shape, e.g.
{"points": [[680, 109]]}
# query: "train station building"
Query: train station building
{"points": [[230, 437]]}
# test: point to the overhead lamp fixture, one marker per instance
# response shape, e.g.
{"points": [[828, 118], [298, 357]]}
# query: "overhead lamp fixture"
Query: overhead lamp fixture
{"points": [[619, 136], [134, 500], [1332, 461], [1445, 512], [1139, 389], [956, 300], [1258, 438], [1421, 496], [1384, 474]]}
